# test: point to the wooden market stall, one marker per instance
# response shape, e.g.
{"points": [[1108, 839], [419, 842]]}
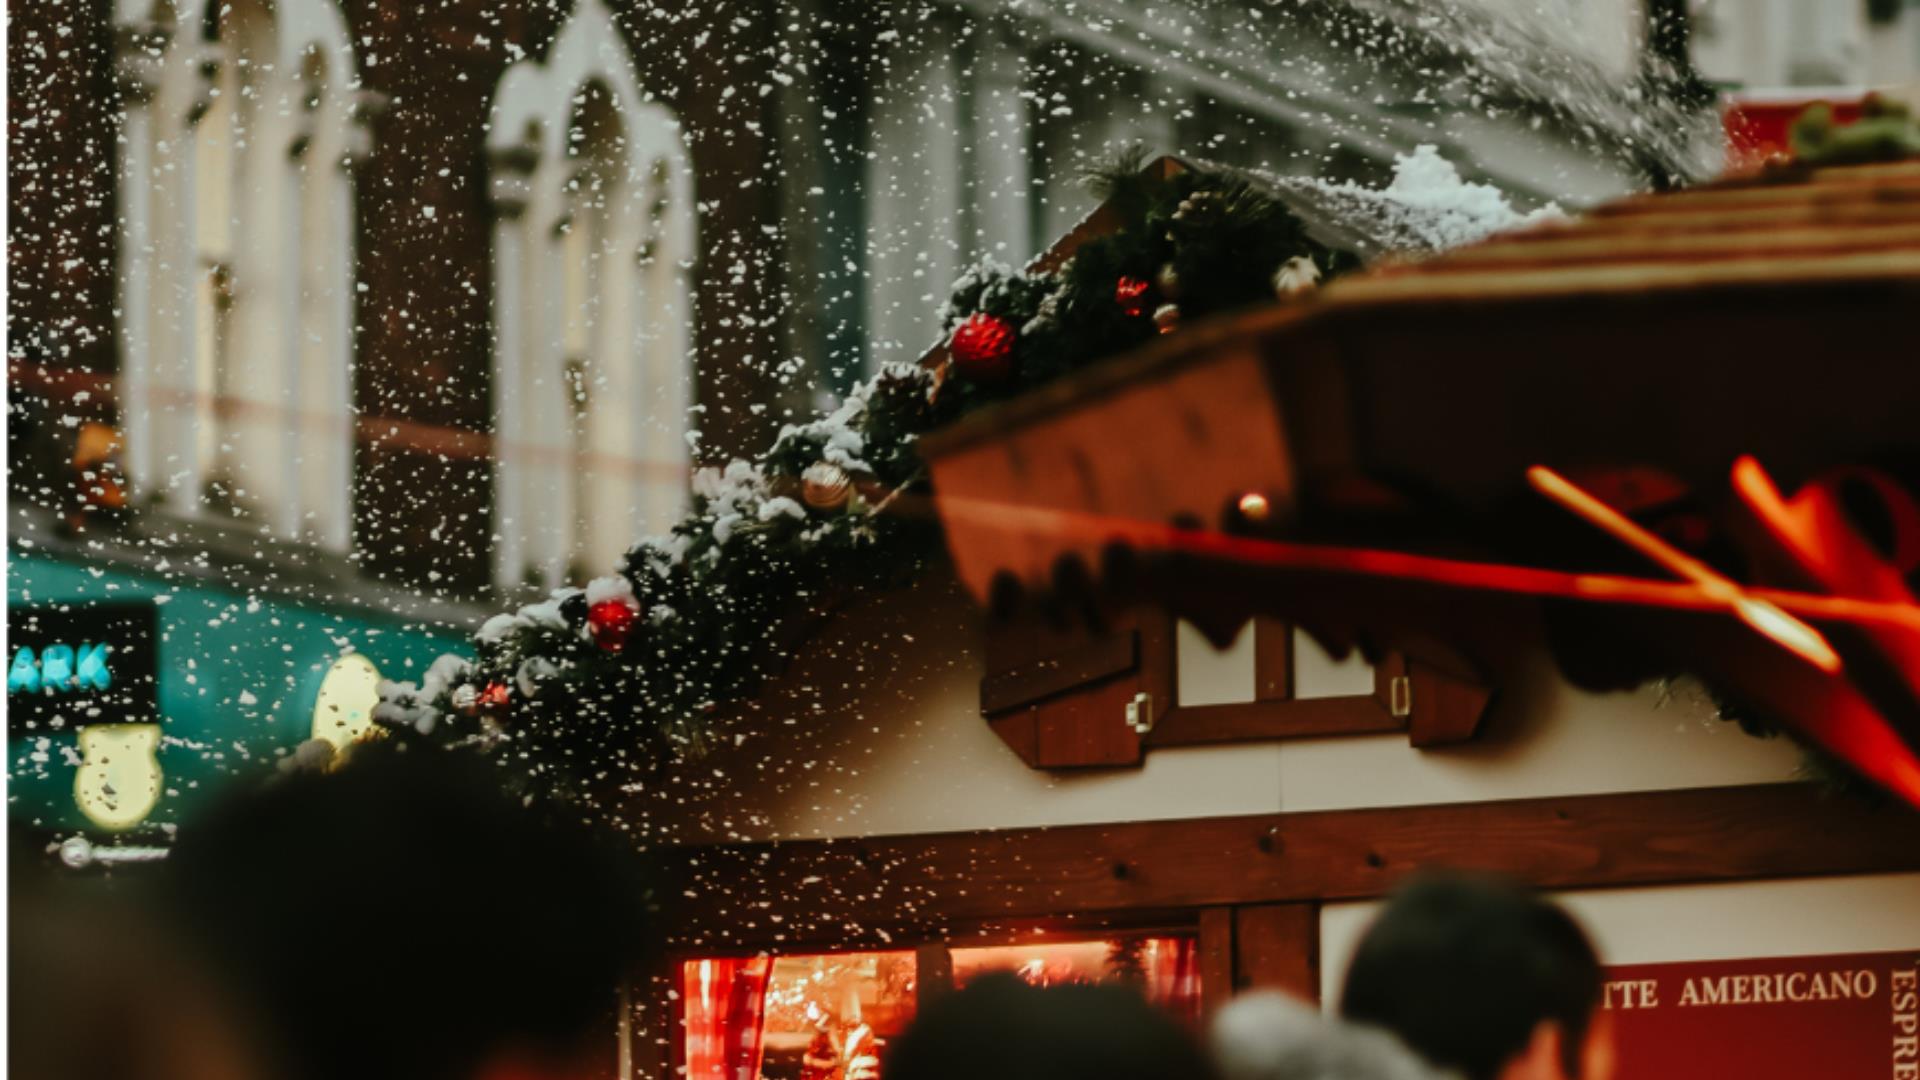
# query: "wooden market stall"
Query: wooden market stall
{"points": [[1247, 625], [1263, 617]]}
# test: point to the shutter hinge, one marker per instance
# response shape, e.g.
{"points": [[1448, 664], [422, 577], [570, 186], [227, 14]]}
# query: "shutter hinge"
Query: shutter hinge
{"points": [[1400, 697], [1140, 713]]}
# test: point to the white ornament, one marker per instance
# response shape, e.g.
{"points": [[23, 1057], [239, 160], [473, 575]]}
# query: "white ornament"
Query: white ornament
{"points": [[466, 699], [1296, 275]]}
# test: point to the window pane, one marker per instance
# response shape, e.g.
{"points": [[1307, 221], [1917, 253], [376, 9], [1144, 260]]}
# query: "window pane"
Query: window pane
{"points": [[1165, 967], [817, 1016], [830, 1016]]}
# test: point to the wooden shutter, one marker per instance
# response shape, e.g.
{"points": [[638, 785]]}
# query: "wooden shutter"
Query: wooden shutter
{"points": [[1059, 697]]}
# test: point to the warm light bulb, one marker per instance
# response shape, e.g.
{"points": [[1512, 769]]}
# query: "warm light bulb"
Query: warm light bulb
{"points": [[119, 778], [343, 710]]}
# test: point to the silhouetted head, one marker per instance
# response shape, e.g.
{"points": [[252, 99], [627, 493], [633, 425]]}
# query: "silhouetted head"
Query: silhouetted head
{"points": [[1001, 1027], [100, 991], [1482, 977], [404, 917]]}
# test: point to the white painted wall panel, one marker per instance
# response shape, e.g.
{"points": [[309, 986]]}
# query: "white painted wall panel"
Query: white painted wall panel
{"points": [[1670, 924]]}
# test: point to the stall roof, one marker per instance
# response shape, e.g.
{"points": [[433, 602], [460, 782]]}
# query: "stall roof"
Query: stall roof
{"points": [[1647, 346], [1786, 227]]}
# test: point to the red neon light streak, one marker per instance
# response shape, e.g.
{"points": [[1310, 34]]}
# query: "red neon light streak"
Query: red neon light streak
{"points": [[1829, 708], [1094, 530], [1766, 618]]}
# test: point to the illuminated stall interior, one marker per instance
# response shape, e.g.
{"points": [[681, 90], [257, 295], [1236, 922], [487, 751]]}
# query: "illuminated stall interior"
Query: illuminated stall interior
{"points": [[816, 1016]]}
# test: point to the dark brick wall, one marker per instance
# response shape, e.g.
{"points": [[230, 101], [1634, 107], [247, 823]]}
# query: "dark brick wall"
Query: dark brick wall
{"points": [[60, 234]]}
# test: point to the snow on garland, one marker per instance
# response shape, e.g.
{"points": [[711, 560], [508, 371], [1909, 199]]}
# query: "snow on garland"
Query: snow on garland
{"points": [[577, 686]]}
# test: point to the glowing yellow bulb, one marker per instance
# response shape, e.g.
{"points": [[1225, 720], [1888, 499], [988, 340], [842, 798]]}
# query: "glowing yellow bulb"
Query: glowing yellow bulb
{"points": [[1254, 506], [343, 710], [119, 778]]}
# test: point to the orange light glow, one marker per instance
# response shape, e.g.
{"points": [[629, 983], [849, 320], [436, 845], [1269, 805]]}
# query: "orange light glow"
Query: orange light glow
{"points": [[1789, 633], [1068, 527], [1830, 710]]}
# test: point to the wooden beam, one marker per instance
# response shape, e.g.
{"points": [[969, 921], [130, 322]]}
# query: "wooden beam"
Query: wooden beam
{"points": [[1277, 947], [1100, 658], [932, 973], [883, 890], [1272, 660], [1446, 708], [1216, 958]]}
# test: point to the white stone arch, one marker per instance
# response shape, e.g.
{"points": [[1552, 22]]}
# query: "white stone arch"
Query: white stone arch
{"points": [[562, 501], [276, 209]]}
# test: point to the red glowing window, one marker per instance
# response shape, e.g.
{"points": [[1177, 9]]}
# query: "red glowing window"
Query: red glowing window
{"points": [[817, 1017], [830, 1016], [1165, 968]]}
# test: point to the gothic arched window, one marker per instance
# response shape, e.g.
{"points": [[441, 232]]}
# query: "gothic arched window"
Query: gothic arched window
{"points": [[593, 244]]}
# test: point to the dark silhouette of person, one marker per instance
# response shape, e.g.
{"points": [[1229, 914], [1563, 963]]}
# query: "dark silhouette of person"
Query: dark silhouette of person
{"points": [[99, 989], [403, 916], [1001, 1027], [1485, 978]]}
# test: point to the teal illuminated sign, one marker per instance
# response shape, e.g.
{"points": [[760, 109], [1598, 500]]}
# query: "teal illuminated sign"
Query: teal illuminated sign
{"points": [[205, 686], [60, 668], [91, 662]]}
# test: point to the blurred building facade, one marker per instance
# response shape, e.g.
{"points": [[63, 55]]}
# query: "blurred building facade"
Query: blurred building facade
{"points": [[1759, 45]]}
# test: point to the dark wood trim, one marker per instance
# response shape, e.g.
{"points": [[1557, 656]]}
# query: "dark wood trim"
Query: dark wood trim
{"points": [[1021, 732], [877, 891], [932, 972], [1391, 666], [1274, 713], [1277, 947], [1216, 958], [1446, 708], [1272, 660], [1102, 658], [952, 934]]}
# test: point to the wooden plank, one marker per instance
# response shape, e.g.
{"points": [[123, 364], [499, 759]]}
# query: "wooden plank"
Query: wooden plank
{"points": [[1446, 709], [1021, 732], [1088, 729], [1244, 721], [1043, 677], [1277, 947], [873, 890], [1216, 958], [1272, 660], [932, 973]]}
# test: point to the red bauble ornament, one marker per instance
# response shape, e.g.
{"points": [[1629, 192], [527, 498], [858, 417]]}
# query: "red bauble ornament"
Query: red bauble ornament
{"points": [[611, 622], [1131, 294], [494, 698], [982, 348]]}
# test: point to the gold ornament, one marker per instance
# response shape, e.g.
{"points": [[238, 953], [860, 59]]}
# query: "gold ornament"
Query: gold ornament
{"points": [[825, 486], [1167, 318]]}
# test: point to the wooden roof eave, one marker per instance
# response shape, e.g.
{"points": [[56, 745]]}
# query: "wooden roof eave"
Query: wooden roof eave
{"points": [[1402, 410]]}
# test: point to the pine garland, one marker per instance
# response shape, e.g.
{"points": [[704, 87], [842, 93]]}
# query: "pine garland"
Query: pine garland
{"points": [[719, 604]]}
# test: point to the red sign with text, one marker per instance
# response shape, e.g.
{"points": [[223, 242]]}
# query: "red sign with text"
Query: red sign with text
{"points": [[1853, 1017]]}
